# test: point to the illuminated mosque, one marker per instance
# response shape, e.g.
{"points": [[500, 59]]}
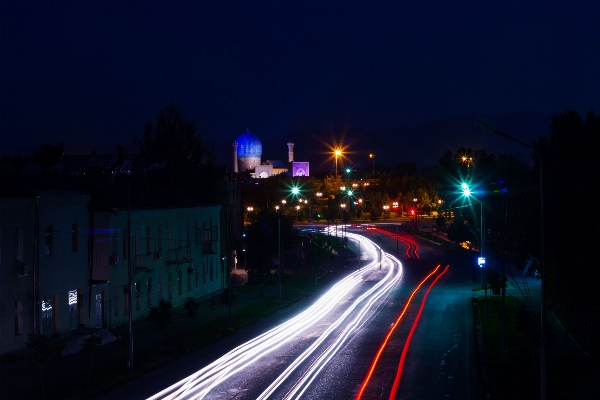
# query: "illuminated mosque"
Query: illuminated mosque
{"points": [[247, 156]]}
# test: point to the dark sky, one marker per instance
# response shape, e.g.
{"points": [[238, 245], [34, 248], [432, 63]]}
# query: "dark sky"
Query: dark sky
{"points": [[94, 73]]}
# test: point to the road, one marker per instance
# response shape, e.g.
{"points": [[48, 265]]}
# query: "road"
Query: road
{"points": [[328, 350]]}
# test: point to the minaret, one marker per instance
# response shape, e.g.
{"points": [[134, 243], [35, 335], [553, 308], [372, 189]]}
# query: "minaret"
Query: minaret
{"points": [[290, 157], [235, 157]]}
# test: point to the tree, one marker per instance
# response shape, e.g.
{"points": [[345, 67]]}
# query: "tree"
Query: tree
{"points": [[174, 141], [42, 352], [191, 307], [160, 316]]}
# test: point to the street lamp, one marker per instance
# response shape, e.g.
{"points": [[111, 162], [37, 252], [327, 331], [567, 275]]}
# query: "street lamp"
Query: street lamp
{"points": [[372, 157], [542, 257], [385, 210], [337, 154], [466, 191], [415, 213], [283, 205]]}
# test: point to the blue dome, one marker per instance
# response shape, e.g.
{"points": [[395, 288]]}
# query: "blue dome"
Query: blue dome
{"points": [[249, 145]]}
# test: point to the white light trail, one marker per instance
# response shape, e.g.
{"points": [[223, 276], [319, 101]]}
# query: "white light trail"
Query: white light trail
{"points": [[199, 384]]}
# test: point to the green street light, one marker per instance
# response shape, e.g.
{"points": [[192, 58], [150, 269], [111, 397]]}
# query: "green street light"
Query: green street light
{"points": [[466, 191], [295, 190]]}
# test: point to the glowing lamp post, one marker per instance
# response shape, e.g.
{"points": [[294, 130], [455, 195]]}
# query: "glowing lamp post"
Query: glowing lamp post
{"points": [[337, 154]]}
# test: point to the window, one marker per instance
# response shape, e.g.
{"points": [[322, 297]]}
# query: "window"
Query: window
{"points": [[125, 300], [74, 238], [49, 239], [179, 282], [159, 238], [125, 244], [149, 292], [189, 278], [18, 317], [204, 273], [170, 288], [159, 288], [116, 303], [73, 309], [138, 295], [115, 245], [148, 240], [48, 315], [187, 234], [179, 236]]}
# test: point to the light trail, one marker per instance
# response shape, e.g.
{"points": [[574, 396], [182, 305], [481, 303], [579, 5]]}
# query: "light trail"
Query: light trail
{"points": [[389, 335], [199, 384], [409, 337]]}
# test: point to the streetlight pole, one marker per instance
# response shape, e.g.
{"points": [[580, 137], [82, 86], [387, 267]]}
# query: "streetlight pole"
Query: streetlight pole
{"points": [[337, 153], [372, 157], [467, 193], [542, 255], [279, 248]]}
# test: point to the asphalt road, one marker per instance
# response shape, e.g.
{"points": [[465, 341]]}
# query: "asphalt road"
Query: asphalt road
{"points": [[332, 357], [441, 360]]}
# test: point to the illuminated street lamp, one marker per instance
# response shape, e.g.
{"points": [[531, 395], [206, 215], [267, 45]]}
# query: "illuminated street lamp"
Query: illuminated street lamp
{"points": [[386, 209], [337, 154], [466, 191], [372, 157], [283, 205]]}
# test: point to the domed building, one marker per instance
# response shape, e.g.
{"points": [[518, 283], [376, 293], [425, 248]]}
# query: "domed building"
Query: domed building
{"points": [[247, 152], [247, 156]]}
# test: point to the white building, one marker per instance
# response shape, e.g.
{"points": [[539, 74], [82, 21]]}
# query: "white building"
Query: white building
{"points": [[43, 264], [173, 254]]}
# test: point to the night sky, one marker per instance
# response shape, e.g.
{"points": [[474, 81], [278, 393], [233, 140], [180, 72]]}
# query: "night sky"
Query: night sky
{"points": [[92, 74]]}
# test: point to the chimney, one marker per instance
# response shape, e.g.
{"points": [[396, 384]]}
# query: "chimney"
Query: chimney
{"points": [[235, 157], [290, 157]]}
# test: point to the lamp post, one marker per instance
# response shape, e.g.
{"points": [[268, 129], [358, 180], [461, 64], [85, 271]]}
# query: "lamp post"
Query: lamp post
{"points": [[481, 260], [415, 213], [337, 154], [385, 211], [372, 157], [283, 205], [542, 256]]}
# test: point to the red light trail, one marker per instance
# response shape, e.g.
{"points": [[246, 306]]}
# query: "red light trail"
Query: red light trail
{"points": [[412, 331], [391, 331]]}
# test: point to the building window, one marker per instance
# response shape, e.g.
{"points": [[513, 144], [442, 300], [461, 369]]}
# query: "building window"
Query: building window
{"points": [[125, 300], [149, 292], [148, 240], [48, 315], [189, 278], [116, 306], [170, 288], [204, 273], [159, 288], [138, 295], [125, 244], [18, 317], [74, 238], [49, 240], [179, 283], [73, 309]]}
